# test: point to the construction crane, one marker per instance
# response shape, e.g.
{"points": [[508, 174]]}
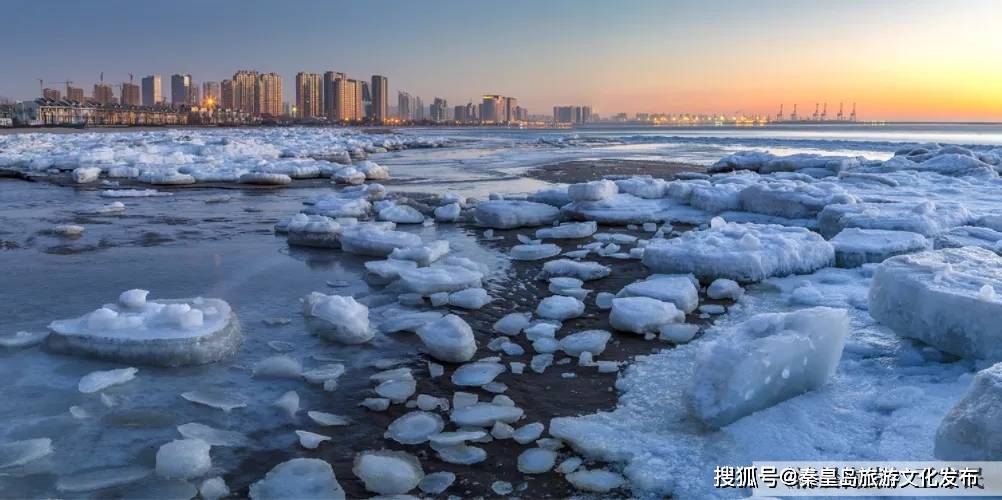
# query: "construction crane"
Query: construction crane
{"points": [[840, 116], [41, 86]]}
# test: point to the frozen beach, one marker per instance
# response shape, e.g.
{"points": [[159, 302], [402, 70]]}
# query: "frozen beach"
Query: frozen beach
{"points": [[486, 303]]}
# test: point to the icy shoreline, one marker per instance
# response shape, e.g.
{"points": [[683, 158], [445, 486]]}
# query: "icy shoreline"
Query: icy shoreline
{"points": [[759, 240]]}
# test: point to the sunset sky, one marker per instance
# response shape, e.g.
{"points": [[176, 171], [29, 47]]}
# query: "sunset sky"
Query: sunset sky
{"points": [[899, 60]]}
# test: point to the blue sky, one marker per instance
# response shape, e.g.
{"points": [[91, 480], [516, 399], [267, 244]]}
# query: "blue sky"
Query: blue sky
{"points": [[632, 55]]}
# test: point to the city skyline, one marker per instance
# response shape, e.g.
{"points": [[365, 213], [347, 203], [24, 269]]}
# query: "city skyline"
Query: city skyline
{"points": [[641, 56]]}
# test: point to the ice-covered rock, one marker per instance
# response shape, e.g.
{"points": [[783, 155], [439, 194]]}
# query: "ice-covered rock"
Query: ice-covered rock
{"points": [[449, 339], [509, 214], [741, 252], [765, 360], [642, 314], [568, 230], [414, 427], [936, 297], [855, 247], [723, 288], [440, 278], [183, 459], [388, 472], [298, 478], [471, 298], [678, 290], [592, 191], [972, 429], [926, 218], [560, 308], [101, 380], [423, 255], [162, 332], [534, 252], [337, 318], [584, 271], [375, 240]]}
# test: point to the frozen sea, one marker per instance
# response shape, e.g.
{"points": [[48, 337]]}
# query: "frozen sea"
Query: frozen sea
{"points": [[219, 242]]}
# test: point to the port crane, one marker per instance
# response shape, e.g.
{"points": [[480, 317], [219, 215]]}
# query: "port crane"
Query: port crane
{"points": [[824, 112], [817, 106], [779, 116], [840, 116], [793, 116]]}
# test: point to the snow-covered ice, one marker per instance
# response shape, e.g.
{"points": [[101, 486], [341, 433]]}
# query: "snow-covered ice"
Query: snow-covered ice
{"points": [[678, 290], [449, 339], [642, 314], [510, 214], [183, 459], [741, 252], [855, 247], [162, 332]]}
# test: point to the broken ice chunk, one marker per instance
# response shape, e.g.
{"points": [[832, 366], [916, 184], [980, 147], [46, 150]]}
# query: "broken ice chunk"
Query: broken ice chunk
{"points": [[388, 472], [642, 314], [449, 339], [183, 459], [337, 318], [536, 460], [298, 478], [414, 427], [766, 360], [98, 381]]}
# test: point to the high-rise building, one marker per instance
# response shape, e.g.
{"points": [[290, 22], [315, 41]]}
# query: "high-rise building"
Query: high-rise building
{"points": [[269, 95], [53, 94], [571, 114], [226, 94], [180, 90], [152, 95], [418, 109], [404, 101], [330, 94], [366, 99], [439, 110], [510, 109], [309, 95], [245, 91], [348, 93], [74, 94], [211, 94], [130, 94], [380, 102], [492, 109]]}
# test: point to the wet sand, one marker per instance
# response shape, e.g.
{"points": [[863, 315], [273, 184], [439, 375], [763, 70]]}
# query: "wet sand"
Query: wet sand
{"points": [[542, 396], [591, 170]]}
